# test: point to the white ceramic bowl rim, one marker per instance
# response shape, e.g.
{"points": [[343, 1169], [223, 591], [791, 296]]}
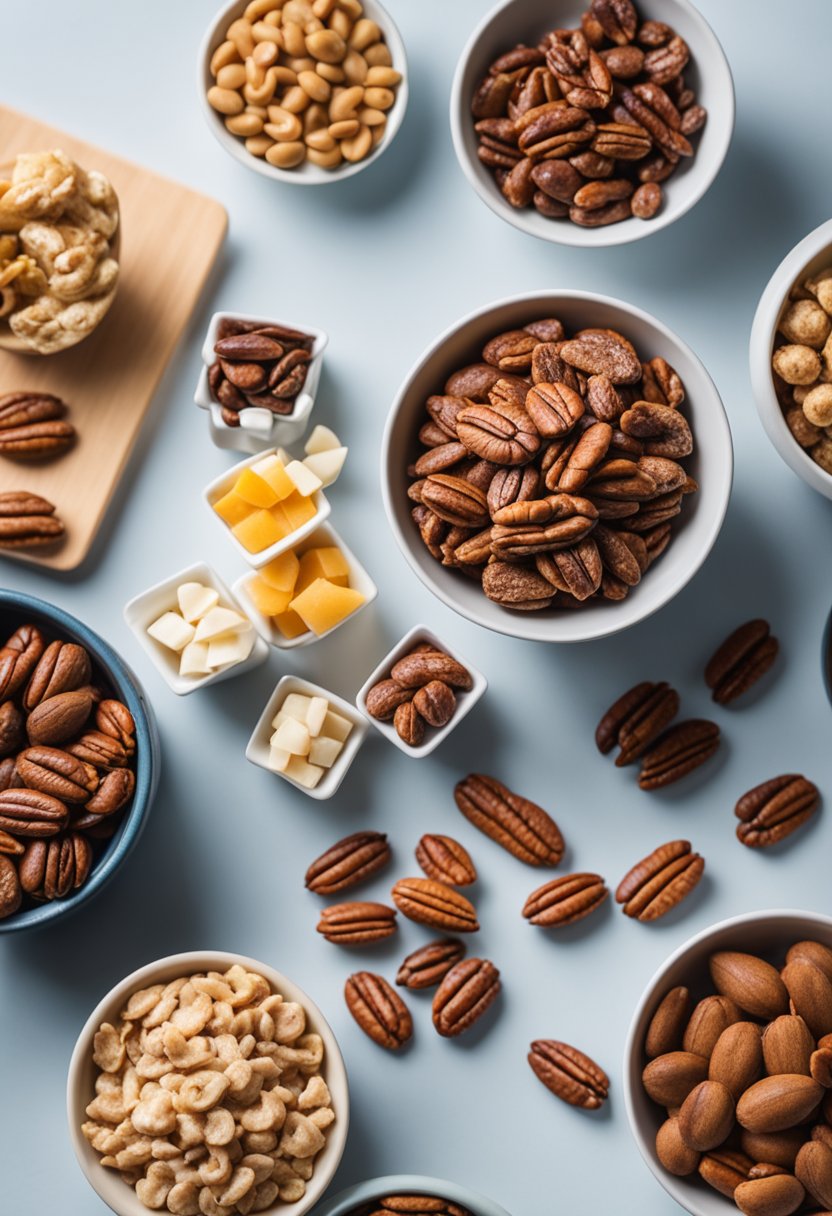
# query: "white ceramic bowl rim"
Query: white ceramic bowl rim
{"points": [[650, 995], [677, 203], [414, 1184], [601, 620], [200, 960], [307, 174]]}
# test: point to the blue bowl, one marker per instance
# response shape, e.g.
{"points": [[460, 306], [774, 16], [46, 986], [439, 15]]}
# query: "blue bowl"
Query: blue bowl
{"points": [[17, 609], [408, 1184]]}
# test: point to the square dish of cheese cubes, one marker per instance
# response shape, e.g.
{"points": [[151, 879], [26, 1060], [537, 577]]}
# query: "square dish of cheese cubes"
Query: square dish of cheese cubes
{"points": [[306, 592], [307, 735], [195, 630], [271, 501]]}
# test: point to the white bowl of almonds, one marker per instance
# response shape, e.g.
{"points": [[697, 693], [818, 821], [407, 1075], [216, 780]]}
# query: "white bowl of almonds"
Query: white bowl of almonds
{"points": [[304, 91], [164, 1057], [791, 359]]}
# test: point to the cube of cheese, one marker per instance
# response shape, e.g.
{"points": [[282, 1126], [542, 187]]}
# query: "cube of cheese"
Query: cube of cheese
{"points": [[305, 774], [279, 759], [327, 465], [293, 737], [303, 479], [316, 713], [323, 605], [259, 530], [296, 705], [322, 439], [228, 648], [266, 599], [296, 510], [289, 625], [325, 561], [282, 571], [324, 751], [254, 489], [195, 599], [193, 660], [232, 509], [273, 470], [219, 620], [336, 726], [172, 631]]}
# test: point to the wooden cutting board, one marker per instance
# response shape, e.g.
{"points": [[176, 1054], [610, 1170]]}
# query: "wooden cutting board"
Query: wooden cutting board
{"points": [[170, 238]]}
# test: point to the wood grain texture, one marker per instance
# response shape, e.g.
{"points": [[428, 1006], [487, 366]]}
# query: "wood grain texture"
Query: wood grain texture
{"points": [[170, 238]]}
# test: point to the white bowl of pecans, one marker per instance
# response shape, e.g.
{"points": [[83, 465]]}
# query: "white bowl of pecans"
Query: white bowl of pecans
{"points": [[695, 1047], [305, 92], [557, 466], [791, 359], [241, 1045], [592, 122]]}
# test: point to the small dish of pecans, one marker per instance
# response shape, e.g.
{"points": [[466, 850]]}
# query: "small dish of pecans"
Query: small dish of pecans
{"points": [[579, 122], [259, 380], [419, 692]]}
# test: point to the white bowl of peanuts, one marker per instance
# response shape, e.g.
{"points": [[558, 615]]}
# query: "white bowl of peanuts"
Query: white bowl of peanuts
{"points": [[791, 359], [207, 1084], [304, 91]]}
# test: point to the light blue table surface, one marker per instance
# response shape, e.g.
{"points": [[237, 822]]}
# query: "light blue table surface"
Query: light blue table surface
{"points": [[383, 263]]}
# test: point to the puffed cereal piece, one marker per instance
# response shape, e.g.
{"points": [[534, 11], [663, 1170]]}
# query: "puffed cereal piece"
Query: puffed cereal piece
{"points": [[806, 434], [806, 323], [796, 364], [817, 405], [822, 454]]}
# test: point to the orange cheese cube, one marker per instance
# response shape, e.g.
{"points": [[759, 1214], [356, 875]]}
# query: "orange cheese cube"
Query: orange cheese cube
{"points": [[298, 510], [281, 572], [323, 605], [251, 487], [328, 562], [273, 471], [268, 600], [258, 531], [232, 508], [290, 624]]}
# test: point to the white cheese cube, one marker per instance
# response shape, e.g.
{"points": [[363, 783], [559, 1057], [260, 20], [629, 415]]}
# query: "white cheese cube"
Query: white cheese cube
{"points": [[316, 713], [257, 419], [263, 466], [228, 648], [307, 775], [217, 621], [194, 660], [195, 600], [327, 465], [322, 439], [293, 737], [324, 751], [279, 759], [336, 726], [295, 706], [303, 479], [283, 456], [172, 631]]}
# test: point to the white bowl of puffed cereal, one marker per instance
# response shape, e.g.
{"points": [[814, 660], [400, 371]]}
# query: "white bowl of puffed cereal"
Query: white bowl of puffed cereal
{"points": [[307, 91], [178, 1056], [791, 359]]}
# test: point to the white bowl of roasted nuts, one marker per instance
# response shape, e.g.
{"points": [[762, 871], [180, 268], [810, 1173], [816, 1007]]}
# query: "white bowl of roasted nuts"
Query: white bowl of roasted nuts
{"points": [[728, 1065], [791, 359], [304, 92], [557, 466], [592, 122], [204, 1077]]}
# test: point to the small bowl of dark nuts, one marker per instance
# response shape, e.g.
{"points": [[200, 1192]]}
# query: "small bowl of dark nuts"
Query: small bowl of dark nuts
{"points": [[78, 762], [592, 122], [408, 1194], [258, 381]]}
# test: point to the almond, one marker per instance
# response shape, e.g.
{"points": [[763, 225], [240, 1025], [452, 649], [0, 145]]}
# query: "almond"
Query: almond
{"points": [[779, 1195], [812, 952], [813, 1168], [776, 1103], [667, 1025], [811, 995], [672, 1151], [737, 1058], [669, 1078], [751, 982], [780, 1148], [707, 1116], [709, 1019], [787, 1046]]}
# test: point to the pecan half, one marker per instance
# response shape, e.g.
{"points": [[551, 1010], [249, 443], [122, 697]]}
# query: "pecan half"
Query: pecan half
{"points": [[357, 924], [464, 995], [569, 1074], [36, 439], [55, 772], [725, 1169], [378, 1009], [63, 667], [506, 435], [384, 698], [11, 893], [516, 586], [28, 521], [603, 352], [742, 659], [636, 720], [655, 885], [445, 859], [25, 812], [52, 869], [60, 718], [520, 826], [435, 702], [114, 792], [113, 718], [428, 965], [11, 728], [348, 862], [455, 500], [678, 752], [409, 724], [565, 900], [19, 657], [418, 668], [576, 571], [554, 408], [664, 430], [433, 903], [770, 812], [23, 409]]}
